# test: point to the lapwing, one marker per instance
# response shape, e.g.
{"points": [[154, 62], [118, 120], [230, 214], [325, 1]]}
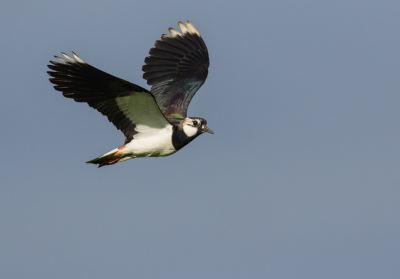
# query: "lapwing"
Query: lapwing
{"points": [[155, 122]]}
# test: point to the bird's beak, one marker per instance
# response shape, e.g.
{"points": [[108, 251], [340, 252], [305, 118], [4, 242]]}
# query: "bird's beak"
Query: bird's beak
{"points": [[206, 129]]}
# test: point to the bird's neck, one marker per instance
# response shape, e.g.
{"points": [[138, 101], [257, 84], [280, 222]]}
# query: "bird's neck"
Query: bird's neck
{"points": [[179, 138]]}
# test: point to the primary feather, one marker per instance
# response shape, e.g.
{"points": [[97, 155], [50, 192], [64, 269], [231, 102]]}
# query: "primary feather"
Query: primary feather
{"points": [[176, 68]]}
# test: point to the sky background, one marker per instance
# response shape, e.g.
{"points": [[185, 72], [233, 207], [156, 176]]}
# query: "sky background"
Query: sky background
{"points": [[300, 180]]}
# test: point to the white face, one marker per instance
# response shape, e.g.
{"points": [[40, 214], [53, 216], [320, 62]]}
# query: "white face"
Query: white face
{"points": [[191, 126]]}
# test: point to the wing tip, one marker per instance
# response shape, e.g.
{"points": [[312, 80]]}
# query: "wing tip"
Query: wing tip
{"points": [[68, 59], [80, 60], [185, 52], [174, 32], [192, 29]]}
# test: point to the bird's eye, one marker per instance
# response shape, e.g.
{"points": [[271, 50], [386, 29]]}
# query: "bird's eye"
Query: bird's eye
{"points": [[195, 123]]}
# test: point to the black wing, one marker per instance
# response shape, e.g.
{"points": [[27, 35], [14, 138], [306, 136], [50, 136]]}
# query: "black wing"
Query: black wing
{"points": [[177, 67], [131, 108]]}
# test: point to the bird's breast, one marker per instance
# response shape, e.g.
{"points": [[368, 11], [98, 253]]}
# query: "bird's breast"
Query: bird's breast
{"points": [[157, 145]]}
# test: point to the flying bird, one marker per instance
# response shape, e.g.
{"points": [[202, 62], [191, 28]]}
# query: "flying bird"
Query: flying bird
{"points": [[155, 122]]}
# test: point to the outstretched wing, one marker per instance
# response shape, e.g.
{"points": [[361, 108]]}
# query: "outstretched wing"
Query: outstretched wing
{"points": [[177, 67], [131, 108]]}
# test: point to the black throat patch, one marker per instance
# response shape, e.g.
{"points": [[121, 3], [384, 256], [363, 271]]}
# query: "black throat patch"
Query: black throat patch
{"points": [[179, 138]]}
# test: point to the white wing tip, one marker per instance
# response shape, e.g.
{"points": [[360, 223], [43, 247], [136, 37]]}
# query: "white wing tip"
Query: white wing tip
{"points": [[78, 58], [183, 27], [70, 59], [61, 59], [188, 28], [191, 28], [173, 32]]}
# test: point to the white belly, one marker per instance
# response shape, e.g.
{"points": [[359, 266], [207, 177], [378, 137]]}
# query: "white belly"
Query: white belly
{"points": [[157, 144]]}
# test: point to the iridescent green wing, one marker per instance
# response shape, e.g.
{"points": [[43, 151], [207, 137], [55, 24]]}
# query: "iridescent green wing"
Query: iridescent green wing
{"points": [[176, 68]]}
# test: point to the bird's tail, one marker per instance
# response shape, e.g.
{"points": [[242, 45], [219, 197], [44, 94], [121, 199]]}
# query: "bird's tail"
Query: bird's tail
{"points": [[109, 158]]}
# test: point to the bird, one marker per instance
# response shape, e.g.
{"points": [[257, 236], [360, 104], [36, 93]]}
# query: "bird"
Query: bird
{"points": [[155, 122]]}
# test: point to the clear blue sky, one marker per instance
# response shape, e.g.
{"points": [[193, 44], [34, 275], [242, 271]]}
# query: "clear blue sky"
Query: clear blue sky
{"points": [[300, 180]]}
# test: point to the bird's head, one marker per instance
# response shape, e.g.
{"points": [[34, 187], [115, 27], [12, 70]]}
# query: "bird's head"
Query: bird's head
{"points": [[194, 126]]}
